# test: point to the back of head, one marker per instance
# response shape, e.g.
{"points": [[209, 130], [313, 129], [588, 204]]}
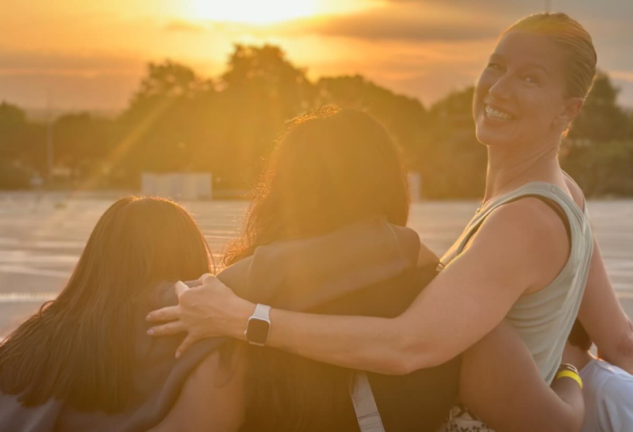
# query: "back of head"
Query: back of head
{"points": [[331, 168], [574, 41], [80, 347]]}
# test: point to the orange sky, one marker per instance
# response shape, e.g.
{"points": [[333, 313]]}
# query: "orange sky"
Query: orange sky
{"points": [[91, 55]]}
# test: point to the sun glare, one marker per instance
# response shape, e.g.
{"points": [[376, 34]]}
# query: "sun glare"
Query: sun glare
{"points": [[254, 11]]}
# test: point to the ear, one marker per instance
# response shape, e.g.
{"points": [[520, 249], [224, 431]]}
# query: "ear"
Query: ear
{"points": [[571, 109]]}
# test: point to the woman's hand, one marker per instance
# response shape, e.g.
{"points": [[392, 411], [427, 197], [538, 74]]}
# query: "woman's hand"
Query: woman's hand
{"points": [[208, 310]]}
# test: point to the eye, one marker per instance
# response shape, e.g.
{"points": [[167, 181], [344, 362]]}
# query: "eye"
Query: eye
{"points": [[494, 66], [530, 79]]}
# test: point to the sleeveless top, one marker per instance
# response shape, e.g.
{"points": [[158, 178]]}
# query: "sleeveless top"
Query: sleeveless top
{"points": [[544, 319]]}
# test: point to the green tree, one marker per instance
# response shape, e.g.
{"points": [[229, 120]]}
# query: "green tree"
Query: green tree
{"points": [[158, 132], [601, 119], [260, 91], [405, 118], [82, 142], [455, 162], [22, 150]]}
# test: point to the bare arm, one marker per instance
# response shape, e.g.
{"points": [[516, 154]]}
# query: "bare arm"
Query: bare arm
{"points": [[502, 385], [465, 302], [603, 318], [211, 399]]}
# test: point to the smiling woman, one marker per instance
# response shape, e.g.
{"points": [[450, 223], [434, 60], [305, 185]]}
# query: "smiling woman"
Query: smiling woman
{"points": [[254, 12]]}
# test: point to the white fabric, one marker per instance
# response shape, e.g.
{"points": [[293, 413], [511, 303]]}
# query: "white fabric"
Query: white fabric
{"points": [[365, 405], [608, 392]]}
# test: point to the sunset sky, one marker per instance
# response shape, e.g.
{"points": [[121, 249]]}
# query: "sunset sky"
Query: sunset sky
{"points": [[91, 54]]}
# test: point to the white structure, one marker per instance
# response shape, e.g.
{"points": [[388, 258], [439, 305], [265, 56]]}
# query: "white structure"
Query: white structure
{"points": [[415, 186], [186, 186]]}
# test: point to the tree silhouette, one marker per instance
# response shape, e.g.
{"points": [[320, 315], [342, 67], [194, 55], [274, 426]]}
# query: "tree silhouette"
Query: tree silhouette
{"points": [[181, 121]]}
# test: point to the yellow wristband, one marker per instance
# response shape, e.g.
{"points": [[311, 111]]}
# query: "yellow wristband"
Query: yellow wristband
{"points": [[570, 374]]}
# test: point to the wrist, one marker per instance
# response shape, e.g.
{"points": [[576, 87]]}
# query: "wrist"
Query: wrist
{"points": [[242, 311]]}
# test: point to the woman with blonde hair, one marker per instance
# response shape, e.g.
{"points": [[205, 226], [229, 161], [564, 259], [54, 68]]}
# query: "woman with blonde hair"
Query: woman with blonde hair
{"points": [[528, 255]]}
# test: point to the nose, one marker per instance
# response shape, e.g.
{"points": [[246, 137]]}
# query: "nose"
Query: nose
{"points": [[502, 88]]}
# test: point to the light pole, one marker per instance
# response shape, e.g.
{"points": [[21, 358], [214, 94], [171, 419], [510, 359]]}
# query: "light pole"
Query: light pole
{"points": [[548, 6], [50, 150]]}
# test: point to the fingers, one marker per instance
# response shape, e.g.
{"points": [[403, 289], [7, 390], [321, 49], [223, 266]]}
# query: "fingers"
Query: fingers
{"points": [[168, 329], [204, 277], [185, 345], [211, 281], [180, 288], [169, 313]]}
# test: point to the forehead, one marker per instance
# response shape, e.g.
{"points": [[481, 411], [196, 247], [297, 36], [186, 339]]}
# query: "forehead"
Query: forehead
{"points": [[522, 48]]}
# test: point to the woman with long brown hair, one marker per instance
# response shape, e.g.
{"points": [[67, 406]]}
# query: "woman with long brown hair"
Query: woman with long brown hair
{"points": [[83, 362]]}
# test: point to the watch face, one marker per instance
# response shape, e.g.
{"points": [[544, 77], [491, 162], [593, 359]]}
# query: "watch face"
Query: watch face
{"points": [[257, 331]]}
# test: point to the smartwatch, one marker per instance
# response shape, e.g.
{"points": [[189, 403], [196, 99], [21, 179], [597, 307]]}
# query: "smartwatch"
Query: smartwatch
{"points": [[258, 327]]}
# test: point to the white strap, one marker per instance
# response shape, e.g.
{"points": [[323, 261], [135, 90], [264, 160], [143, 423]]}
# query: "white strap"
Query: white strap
{"points": [[365, 405]]}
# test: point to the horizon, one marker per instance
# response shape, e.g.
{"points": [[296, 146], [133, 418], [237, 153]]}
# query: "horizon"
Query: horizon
{"points": [[76, 56]]}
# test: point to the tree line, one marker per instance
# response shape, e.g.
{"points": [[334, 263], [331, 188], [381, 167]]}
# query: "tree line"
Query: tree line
{"points": [[180, 121]]}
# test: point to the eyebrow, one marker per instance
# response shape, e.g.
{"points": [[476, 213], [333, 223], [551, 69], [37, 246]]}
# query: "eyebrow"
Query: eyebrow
{"points": [[536, 66], [496, 56]]}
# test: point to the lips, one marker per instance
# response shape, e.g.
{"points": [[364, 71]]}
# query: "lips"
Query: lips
{"points": [[497, 113]]}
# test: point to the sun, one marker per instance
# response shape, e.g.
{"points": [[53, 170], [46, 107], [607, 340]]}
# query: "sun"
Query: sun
{"points": [[253, 11]]}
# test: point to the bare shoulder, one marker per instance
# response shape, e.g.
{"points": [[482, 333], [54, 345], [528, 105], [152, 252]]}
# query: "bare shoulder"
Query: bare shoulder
{"points": [[426, 256], [528, 219], [576, 193], [529, 233], [212, 398]]}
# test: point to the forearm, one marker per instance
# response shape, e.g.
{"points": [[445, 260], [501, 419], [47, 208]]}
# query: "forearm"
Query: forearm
{"points": [[373, 344], [571, 413], [502, 385], [603, 317]]}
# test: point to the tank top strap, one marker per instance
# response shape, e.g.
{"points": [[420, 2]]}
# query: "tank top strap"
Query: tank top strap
{"points": [[578, 219]]}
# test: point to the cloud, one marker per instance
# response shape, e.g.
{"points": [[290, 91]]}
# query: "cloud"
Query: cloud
{"points": [[59, 62], [394, 25], [74, 80], [184, 27]]}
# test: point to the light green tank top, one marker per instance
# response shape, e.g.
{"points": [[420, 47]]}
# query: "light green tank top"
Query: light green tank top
{"points": [[545, 318]]}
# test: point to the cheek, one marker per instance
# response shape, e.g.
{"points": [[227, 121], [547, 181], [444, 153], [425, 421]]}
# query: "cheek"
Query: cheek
{"points": [[540, 109], [481, 90]]}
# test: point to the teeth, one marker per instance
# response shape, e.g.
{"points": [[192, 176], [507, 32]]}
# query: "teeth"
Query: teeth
{"points": [[498, 115]]}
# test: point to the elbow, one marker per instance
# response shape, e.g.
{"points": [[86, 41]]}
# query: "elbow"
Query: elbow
{"points": [[572, 421], [410, 355]]}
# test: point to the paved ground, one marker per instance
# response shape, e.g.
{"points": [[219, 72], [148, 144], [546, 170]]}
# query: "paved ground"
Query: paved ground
{"points": [[40, 241]]}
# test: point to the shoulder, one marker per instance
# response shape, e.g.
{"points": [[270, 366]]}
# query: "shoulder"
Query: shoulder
{"points": [[426, 257], [528, 221], [526, 237], [575, 191], [212, 398]]}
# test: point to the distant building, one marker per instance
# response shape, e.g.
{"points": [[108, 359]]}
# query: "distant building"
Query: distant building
{"points": [[415, 186], [185, 186]]}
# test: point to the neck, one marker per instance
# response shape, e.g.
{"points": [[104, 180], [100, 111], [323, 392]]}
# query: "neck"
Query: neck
{"points": [[511, 168]]}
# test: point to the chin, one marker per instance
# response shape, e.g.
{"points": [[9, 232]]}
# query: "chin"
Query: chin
{"points": [[492, 138]]}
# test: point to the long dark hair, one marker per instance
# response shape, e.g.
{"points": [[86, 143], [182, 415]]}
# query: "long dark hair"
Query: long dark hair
{"points": [[80, 347], [331, 168]]}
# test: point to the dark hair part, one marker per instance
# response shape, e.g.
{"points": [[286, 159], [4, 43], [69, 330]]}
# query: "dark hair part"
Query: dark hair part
{"points": [[80, 347], [574, 40], [579, 337], [331, 168]]}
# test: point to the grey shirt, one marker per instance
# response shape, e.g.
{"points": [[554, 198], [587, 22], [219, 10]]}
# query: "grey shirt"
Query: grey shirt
{"points": [[608, 392]]}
